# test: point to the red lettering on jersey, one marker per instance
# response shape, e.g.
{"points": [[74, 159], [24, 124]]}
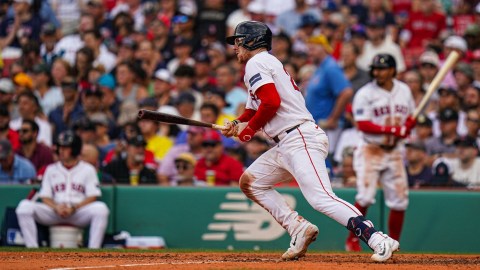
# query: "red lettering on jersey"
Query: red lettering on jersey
{"points": [[252, 95], [295, 86]]}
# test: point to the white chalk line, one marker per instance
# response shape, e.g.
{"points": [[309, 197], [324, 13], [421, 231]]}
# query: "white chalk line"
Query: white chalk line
{"points": [[134, 265]]}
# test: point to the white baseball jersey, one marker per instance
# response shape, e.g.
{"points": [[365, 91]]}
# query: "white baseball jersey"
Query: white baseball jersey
{"points": [[381, 107], [70, 186], [264, 68]]}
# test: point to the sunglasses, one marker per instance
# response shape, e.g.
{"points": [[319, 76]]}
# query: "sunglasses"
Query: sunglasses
{"points": [[209, 144], [24, 130]]}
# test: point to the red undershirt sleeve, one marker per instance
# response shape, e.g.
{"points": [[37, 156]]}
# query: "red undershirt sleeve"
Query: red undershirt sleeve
{"points": [[369, 127], [246, 115], [270, 102]]}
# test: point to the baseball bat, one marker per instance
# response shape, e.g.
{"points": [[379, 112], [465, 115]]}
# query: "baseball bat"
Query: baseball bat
{"points": [[449, 63], [173, 119]]}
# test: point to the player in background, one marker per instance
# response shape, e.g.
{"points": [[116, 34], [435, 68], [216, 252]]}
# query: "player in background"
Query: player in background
{"points": [[382, 110], [69, 195], [276, 106]]}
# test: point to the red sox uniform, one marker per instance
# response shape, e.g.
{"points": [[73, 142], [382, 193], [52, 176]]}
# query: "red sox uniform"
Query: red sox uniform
{"points": [[378, 157], [276, 106], [68, 186]]}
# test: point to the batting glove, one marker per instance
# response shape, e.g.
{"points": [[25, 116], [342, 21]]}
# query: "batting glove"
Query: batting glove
{"points": [[231, 128], [246, 134], [410, 122]]}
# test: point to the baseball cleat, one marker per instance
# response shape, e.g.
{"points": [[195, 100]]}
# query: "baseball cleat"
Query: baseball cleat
{"points": [[353, 244], [384, 250], [300, 242]]}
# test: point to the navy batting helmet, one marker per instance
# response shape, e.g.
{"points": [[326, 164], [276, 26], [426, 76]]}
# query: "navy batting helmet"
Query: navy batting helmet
{"points": [[383, 60], [69, 139], [258, 32]]}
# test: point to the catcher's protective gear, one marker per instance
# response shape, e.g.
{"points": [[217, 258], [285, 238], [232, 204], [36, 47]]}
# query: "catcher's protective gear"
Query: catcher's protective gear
{"points": [[258, 32], [383, 60], [70, 139]]}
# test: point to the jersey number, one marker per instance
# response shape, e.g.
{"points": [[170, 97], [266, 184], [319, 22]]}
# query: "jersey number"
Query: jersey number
{"points": [[291, 80]]}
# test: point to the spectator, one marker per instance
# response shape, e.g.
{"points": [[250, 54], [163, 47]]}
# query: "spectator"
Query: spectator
{"points": [[204, 81], [217, 168], [60, 70], [133, 7], [90, 154], [414, 81], [350, 136], [473, 123], [465, 169], [130, 169], [290, 20], [328, 90], [167, 171], [282, 47], [69, 194], [14, 169], [185, 165], [356, 76], [418, 172], [463, 74], [147, 56], [443, 145], [476, 67], [24, 26], [29, 108], [429, 63], [471, 98], [102, 126], [128, 88], [126, 50], [237, 16], [39, 154], [162, 87], [423, 129], [211, 19], [93, 40], [235, 96], [217, 98], [96, 8], [68, 13], [84, 58], [254, 149], [158, 144], [110, 103], [182, 51], [91, 102], [49, 96], [63, 117], [185, 104], [6, 94], [217, 54], [49, 38], [458, 44], [377, 43], [6, 133], [448, 99]]}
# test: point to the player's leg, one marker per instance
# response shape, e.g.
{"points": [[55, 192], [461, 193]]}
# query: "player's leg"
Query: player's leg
{"points": [[257, 183], [368, 162], [94, 214], [27, 213], [395, 186], [305, 155]]}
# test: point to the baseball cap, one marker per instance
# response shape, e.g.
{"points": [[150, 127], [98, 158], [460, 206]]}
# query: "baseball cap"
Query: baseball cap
{"points": [[148, 102], [93, 93], [4, 111], [321, 40], [49, 29], [40, 68], [181, 41], [417, 144], [308, 20], [211, 136], [256, 7], [185, 97], [107, 80], [23, 1], [430, 57], [6, 86], [423, 120], [465, 69], [22, 79], [184, 71], [187, 157], [202, 57], [466, 141], [163, 75], [358, 30], [456, 42], [448, 115], [84, 124], [5, 148], [137, 141]]}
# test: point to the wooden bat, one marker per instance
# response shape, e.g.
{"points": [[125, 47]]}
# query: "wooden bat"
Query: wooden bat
{"points": [[173, 119], [449, 63]]}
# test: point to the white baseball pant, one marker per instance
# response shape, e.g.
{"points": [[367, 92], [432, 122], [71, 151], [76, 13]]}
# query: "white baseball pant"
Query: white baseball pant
{"points": [[301, 155], [94, 214]]}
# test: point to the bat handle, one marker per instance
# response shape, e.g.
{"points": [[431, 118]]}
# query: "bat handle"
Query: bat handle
{"points": [[219, 127]]}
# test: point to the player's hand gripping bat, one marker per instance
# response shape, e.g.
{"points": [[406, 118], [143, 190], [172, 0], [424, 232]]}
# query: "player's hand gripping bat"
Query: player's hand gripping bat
{"points": [[173, 119]]}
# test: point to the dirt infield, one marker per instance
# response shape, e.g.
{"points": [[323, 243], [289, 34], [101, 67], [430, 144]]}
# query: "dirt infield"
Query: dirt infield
{"points": [[224, 260]]}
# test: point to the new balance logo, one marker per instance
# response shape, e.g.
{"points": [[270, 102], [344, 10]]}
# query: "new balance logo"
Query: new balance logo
{"points": [[247, 220]]}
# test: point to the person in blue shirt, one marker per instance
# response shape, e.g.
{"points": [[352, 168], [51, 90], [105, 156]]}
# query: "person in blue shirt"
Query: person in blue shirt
{"points": [[328, 90], [14, 169]]}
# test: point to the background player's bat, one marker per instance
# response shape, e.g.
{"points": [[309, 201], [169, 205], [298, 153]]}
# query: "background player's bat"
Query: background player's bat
{"points": [[173, 119], [449, 63]]}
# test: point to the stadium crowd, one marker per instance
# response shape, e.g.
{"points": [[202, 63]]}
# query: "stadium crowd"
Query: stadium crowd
{"points": [[90, 65]]}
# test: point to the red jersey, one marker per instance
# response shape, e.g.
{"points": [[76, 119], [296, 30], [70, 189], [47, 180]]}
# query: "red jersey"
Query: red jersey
{"points": [[227, 170], [461, 22], [424, 27]]}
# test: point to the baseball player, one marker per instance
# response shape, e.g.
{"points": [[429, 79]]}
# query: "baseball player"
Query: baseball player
{"points": [[382, 111], [276, 106], [69, 192]]}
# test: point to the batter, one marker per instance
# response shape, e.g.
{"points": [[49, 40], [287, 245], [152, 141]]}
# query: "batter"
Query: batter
{"points": [[276, 106]]}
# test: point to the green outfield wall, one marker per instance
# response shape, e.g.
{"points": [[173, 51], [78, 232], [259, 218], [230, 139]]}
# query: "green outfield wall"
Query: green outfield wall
{"points": [[223, 218]]}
